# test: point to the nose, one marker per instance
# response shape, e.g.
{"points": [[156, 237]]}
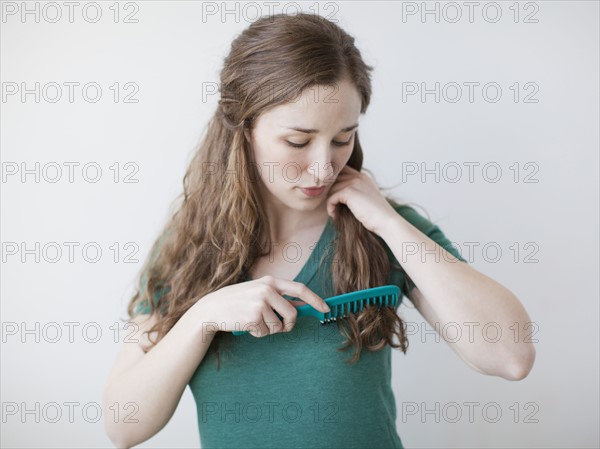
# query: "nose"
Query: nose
{"points": [[321, 166]]}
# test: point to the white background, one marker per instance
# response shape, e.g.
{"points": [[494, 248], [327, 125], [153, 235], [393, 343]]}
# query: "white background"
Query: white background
{"points": [[170, 54]]}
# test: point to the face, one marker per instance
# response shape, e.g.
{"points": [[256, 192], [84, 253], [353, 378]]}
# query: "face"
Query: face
{"points": [[313, 154]]}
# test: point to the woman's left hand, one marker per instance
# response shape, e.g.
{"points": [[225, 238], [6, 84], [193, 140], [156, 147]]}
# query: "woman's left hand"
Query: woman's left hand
{"points": [[358, 191]]}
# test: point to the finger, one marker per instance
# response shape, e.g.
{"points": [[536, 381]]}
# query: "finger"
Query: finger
{"points": [[343, 177], [259, 329], [288, 314], [286, 320], [286, 311], [332, 202], [344, 173], [298, 290], [272, 321], [336, 188], [348, 171]]}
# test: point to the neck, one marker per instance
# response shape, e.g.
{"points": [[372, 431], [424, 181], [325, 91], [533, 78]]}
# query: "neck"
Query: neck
{"points": [[290, 225]]}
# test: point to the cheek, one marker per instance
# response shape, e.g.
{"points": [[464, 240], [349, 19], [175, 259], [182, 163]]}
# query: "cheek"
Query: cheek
{"points": [[291, 171], [278, 168], [341, 159]]}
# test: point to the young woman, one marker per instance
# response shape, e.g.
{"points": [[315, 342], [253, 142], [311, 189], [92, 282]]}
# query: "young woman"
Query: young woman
{"points": [[277, 212]]}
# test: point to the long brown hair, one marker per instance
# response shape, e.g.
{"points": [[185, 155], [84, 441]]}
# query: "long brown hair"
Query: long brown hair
{"points": [[220, 228]]}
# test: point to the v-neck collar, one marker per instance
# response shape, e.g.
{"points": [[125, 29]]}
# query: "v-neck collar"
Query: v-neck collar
{"points": [[309, 269]]}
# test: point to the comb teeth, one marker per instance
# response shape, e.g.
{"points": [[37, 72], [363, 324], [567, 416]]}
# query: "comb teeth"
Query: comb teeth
{"points": [[344, 309]]}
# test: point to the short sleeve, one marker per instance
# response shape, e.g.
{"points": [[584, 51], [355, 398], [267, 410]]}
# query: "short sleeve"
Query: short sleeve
{"points": [[432, 231], [143, 307]]}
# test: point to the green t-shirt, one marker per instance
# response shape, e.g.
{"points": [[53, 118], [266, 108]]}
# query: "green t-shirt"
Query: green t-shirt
{"points": [[295, 389]]}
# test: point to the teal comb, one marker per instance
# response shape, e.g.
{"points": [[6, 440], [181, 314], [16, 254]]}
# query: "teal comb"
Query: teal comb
{"points": [[342, 305]]}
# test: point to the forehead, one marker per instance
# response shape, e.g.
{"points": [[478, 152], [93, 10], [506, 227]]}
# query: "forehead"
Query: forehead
{"points": [[322, 107]]}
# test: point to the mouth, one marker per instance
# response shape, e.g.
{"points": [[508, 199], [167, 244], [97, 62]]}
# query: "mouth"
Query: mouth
{"points": [[312, 191]]}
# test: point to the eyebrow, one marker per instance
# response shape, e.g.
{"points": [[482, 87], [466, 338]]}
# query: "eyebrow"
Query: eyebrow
{"points": [[313, 131]]}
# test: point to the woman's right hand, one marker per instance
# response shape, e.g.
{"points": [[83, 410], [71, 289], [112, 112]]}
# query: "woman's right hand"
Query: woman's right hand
{"points": [[250, 306]]}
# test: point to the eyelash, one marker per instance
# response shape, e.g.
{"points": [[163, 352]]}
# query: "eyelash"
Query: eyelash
{"points": [[337, 144]]}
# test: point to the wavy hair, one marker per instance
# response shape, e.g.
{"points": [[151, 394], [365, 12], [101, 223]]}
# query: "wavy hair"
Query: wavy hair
{"points": [[220, 228]]}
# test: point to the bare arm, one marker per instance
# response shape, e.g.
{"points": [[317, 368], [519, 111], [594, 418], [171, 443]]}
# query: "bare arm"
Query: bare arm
{"points": [[155, 380], [452, 292]]}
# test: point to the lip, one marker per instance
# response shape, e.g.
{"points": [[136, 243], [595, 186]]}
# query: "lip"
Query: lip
{"points": [[312, 191]]}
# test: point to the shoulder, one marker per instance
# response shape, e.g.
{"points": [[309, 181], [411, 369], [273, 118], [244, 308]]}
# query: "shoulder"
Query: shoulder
{"points": [[417, 219], [143, 307], [427, 227]]}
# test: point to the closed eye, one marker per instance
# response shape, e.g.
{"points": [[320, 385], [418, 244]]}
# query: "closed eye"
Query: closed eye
{"points": [[300, 145]]}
